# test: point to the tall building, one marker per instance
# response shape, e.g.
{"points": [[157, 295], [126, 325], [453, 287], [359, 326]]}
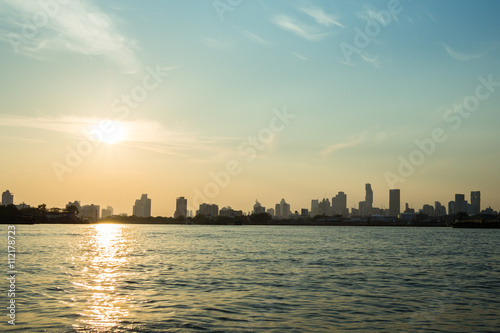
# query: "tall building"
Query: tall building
{"points": [[91, 211], [475, 201], [339, 204], [7, 198], [394, 202], [180, 207], [369, 195], [363, 208], [270, 211], [460, 204], [324, 207], [142, 207], [451, 208], [208, 210], [283, 210], [314, 207], [428, 210], [258, 209], [439, 210], [107, 212]]}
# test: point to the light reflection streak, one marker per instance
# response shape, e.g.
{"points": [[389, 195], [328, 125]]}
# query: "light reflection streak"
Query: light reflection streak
{"points": [[104, 269]]}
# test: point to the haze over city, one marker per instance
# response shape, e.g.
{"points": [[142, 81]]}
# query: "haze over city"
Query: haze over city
{"points": [[102, 102]]}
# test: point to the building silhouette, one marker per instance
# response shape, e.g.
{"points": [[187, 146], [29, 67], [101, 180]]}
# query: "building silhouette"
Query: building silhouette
{"points": [[229, 212], [208, 210], [395, 202], [107, 212], [7, 198], [339, 204], [282, 210], [439, 210], [257, 208], [324, 207], [369, 195], [180, 207], [475, 201], [314, 207], [91, 211], [460, 204], [142, 207]]}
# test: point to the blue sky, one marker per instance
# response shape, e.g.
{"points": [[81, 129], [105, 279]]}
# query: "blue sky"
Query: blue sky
{"points": [[224, 72]]}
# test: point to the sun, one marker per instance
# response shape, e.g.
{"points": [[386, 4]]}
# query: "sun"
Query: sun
{"points": [[117, 132]]}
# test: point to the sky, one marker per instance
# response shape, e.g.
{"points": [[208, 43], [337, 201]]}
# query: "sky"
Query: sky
{"points": [[232, 101]]}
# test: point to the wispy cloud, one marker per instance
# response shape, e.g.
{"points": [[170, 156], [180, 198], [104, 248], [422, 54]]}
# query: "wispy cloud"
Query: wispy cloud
{"points": [[142, 134], [369, 59], [328, 150], [321, 17], [22, 139], [300, 29], [254, 38], [372, 14], [462, 56], [214, 43], [77, 26], [300, 56]]}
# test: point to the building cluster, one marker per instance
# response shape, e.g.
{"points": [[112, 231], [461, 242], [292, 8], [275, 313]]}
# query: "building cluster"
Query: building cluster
{"points": [[91, 212], [337, 207]]}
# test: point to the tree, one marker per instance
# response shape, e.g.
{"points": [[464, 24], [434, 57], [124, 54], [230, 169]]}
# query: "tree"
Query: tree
{"points": [[42, 208], [72, 210], [55, 210], [200, 218], [261, 218]]}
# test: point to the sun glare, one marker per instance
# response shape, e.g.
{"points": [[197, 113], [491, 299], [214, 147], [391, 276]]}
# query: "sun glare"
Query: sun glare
{"points": [[117, 132]]}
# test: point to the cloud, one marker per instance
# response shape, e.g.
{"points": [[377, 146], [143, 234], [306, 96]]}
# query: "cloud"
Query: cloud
{"points": [[300, 29], [339, 146], [22, 139], [372, 60], [254, 38], [371, 14], [38, 30], [462, 56], [321, 17], [214, 43], [142, 134], [300, 56]]}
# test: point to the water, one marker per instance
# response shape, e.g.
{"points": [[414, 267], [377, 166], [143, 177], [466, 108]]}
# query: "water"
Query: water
{"points": [[143, 278]]}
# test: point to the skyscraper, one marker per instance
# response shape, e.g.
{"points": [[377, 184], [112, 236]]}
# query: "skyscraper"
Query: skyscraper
{"points": [[460, 204], [257, 208], [7, 198], [369, 195], [314, 207], [142, 207], [107, 212], [283, 210], [394, 202], [180, 207], [339, 204], [475, 201]]}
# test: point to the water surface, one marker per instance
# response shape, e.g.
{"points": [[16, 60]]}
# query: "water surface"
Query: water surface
{"points": [[144, 278]]}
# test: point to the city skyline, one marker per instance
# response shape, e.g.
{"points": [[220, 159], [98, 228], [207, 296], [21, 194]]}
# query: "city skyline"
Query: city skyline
{"points": [[264, 100], [339, 206]]}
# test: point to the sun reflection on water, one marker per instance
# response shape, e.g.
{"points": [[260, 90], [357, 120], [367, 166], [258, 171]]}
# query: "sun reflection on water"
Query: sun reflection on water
{"points": [[104, 268]]}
